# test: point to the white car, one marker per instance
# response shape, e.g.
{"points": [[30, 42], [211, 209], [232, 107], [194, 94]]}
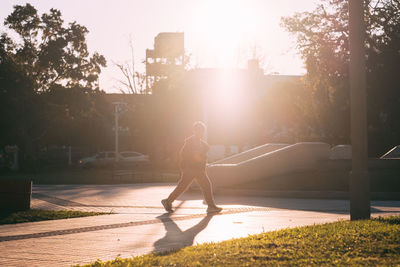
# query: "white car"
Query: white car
{"points": [[108, 158], [131, 156], [100, 159]]}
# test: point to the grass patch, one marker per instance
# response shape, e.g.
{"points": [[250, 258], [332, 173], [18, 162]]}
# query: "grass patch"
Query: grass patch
{"points": [[369, 242], [34, 215]]}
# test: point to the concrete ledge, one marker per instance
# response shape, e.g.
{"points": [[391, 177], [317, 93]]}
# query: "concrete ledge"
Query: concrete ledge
{"points": [[304, 194], [374, 164], [251, 153], [297, 157], [15, 195]]}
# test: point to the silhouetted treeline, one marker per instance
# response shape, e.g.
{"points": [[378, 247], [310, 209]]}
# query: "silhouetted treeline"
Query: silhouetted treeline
{"points": [[49, 92], [322, 38]]}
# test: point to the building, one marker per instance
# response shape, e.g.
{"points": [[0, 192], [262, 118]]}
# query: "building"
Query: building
{"points": [[225, 99]]}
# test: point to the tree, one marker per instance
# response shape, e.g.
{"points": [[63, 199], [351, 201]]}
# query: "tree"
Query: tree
{"points": [[283, 114], [133, 82], [48, 81], [383, 63], [51, 53], [322, 39]]}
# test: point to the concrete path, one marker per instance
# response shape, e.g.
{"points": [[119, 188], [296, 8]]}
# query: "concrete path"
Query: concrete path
{"points": [[139, 224]]}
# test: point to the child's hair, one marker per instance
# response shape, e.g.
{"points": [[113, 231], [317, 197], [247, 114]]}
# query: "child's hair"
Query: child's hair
{"points": [[198, 125]]}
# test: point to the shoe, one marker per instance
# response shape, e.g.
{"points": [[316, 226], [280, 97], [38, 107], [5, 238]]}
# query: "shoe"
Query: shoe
{"points": [[214, 209], [167, 205]]}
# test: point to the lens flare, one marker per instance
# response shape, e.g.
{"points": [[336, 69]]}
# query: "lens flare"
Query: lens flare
{"points": [[224, 28]]}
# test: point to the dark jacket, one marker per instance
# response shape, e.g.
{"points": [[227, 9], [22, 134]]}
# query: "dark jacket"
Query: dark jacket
{"points": [[193, 154]]}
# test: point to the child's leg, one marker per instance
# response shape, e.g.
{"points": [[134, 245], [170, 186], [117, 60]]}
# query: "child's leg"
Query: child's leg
{"points": [[205, 186], [183, 184]]}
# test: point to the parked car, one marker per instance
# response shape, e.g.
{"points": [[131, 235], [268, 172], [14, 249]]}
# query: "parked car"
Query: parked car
{"points": [[100, 159], [132, 156], [107, 158]]}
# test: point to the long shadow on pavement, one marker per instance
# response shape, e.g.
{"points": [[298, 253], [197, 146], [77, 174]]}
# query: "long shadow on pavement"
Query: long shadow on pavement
{"points": [[174, 237]]}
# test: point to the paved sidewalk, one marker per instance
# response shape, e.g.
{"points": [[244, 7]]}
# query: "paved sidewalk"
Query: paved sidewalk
{"points": [[140, 225]]}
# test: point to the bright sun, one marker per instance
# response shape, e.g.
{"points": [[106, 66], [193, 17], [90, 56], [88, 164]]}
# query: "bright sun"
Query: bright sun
{"points": [[225, 28]]}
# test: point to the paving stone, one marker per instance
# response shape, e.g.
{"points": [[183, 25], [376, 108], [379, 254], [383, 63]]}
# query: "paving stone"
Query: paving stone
{"points": [[139, 224]]}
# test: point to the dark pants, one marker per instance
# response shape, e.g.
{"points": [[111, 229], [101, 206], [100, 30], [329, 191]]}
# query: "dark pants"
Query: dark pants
{"points": [[187, 177]]}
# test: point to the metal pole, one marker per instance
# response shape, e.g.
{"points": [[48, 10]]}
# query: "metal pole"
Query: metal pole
{"points": [[69, 155], [147, 78], [359, 180], [116, 131], [204, 109]]}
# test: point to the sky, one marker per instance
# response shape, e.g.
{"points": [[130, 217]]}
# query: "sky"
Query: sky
{"points": [[218, 33]]}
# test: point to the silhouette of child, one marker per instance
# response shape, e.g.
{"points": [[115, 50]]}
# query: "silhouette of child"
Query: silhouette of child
{"points": [[193, 156]]}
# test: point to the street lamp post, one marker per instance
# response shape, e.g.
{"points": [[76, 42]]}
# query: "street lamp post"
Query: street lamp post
{"points": [[359, 180], [116, 120], [117, 111]]}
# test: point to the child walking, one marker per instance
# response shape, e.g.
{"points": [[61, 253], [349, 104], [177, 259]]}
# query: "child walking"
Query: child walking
{"points": [[193, 160]]}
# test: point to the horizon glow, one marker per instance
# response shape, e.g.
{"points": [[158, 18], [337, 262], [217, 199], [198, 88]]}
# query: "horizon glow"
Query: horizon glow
{"points": [[218, 34]]}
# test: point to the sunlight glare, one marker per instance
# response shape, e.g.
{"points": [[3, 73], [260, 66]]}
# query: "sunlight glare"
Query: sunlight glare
{"points": [[226, 99], [223, 27]]}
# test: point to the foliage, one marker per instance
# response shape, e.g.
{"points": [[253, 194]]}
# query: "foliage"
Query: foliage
{"points": [[49, 92], [367, 242], [322, 39], [285, 112], [51, 53], [175, 70], [383, 60]]}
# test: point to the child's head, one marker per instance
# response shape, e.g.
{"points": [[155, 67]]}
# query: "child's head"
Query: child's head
{"points": [[199, 128]]}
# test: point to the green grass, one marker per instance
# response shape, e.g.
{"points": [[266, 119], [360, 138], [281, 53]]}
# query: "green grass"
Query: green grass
{"points": [[34, 215], [369, 242]]}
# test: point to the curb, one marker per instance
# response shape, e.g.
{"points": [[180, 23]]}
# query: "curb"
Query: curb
{"points": [[305, 194]]}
